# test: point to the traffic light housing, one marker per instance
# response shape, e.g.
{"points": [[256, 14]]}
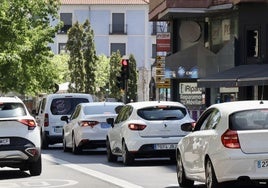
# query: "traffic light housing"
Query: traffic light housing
{"points": [[120, 83], [125, 69]]}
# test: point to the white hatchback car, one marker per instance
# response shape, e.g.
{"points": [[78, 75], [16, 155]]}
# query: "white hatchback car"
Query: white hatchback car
{"points": [[20, 145], [146, 129], [87, 127], [228, 143]]}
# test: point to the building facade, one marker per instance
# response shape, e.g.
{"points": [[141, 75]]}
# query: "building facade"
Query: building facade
{"points": [[218, 49], [117, 25]]}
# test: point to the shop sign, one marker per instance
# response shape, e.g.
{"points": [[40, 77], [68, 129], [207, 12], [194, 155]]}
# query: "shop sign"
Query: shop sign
{"points": [[189, 88]]}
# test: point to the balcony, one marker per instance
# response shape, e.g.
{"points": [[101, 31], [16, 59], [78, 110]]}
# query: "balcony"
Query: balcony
{"points": [[117, 29]]}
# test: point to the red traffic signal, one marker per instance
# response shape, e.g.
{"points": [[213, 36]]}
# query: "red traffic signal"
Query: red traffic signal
{"points": [[125, 68]]}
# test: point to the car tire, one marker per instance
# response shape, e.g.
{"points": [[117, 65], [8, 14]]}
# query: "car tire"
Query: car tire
{"points": [[211, 180], [76, 150], [44, 141], [65, 148], [110, 156], [35, 168], [182, 180], [128, 158]]}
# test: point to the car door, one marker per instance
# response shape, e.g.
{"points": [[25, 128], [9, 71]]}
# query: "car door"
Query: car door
{"points": [[69, 127], [196, 144], [116, 132]]}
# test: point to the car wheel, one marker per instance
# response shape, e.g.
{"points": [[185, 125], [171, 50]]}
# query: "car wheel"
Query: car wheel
{"points": [[110, 156], [75, 149], [211, 180], [35, 168], [44, 142], [65, 149], [182, 180], [128, 158]]}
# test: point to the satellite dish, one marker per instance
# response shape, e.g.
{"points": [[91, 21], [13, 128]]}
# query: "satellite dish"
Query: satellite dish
{"points": [[190, 31]]}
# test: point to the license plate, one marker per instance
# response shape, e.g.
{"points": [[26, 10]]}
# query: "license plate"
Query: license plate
{"points": [[58, 129], [105, 125], [165, 146], [262, 163], [4, 141]]}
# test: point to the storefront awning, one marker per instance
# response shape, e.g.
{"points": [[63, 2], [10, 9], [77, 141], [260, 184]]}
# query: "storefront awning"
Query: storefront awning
{"points": [[243, 75]]}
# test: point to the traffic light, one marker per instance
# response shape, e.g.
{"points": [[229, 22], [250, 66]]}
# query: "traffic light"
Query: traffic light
{"points": [[252, 43], [125, 69], [120, 83]]}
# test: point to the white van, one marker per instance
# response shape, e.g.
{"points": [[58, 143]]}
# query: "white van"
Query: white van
{"points": [[50, 110]]}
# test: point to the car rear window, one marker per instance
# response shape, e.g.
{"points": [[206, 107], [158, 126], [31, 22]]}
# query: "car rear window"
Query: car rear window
{"points": [[162, 113], [249, 120], [88, 110], [65, 106], [8, 110]]}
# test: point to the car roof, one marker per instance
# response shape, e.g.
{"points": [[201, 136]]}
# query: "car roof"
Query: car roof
{"points": [[144, 104], [235, 106], [10, 99]]}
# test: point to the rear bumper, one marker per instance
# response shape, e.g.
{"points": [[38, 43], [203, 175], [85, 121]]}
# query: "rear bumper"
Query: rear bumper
{"points": [[18, 152], [53, 139], [145, 147], [237, 165]]}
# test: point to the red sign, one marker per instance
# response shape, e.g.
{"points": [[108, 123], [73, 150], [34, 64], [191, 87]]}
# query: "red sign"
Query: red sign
{"points": [[163, 42]]}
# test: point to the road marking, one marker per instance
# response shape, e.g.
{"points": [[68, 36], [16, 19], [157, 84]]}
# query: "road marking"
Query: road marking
{"points": [[45, 183], [96, 174]]}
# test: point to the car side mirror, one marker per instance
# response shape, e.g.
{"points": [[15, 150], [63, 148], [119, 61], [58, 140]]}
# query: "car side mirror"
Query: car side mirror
{"points": [[110, 121], [64, 118], [188, 127]]}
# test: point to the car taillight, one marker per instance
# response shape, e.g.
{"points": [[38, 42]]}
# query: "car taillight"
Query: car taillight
{"points": [[28, 122], [230, 139], [136, 127], [88, 123], [46, 120]]}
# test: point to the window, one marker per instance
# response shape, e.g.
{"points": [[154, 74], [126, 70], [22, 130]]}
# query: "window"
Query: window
{"points": [[249, 120], [209, 120], [66, 18], [62, 48], [118, 46], [11, 110], [162, 113], [252, 43], [118, 24]]}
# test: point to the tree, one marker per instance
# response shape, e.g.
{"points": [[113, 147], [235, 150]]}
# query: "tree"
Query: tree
{"points": [[90, 57], [25, 32], [132, 81], [102, 74], [115, 67], [83, 58], [76, 61]]}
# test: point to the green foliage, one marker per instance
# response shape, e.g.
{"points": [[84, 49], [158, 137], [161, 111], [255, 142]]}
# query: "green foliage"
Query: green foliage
{"points": [[132, 81], [102, 74], [25, 32], [83, 57], [90, 57], [115, 68]]}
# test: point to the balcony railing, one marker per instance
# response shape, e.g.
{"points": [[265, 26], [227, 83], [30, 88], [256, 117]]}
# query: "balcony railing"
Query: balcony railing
{"points": [[118, 29]]}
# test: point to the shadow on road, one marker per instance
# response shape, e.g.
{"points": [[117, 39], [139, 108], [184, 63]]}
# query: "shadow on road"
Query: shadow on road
{"points": [[13, 174]]}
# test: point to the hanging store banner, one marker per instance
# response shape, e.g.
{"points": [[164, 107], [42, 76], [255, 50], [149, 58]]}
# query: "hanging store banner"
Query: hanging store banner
{"points": [[163, 42]]}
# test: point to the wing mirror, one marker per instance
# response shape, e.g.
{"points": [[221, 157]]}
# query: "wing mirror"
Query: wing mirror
{"points": [[110, 121], [64, 118]]}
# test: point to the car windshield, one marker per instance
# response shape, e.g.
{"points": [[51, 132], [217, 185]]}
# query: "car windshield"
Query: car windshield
{"points": [[108, 109], [65, 106], [249, 120], [162, 113], [8, 110]]}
